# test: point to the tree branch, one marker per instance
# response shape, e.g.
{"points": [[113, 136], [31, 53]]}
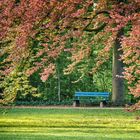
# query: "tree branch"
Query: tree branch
{"points": [[94, 16], [95, 29]]}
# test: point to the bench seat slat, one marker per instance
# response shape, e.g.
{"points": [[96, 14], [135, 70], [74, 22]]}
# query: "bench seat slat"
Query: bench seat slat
{"points": [[94, 94], [77, 94], [91, 96]]}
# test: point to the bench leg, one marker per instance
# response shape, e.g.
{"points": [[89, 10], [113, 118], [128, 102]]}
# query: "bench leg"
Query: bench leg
{"points": [[76, 103], [101, 104]]}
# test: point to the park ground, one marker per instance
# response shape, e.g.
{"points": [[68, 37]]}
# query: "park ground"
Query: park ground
{"points": [[57, 123]]}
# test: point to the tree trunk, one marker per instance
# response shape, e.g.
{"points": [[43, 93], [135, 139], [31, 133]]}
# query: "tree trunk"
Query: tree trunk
{"points": [[117, 82], [59, 85]]}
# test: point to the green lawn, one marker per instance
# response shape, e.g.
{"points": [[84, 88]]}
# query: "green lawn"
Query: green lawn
{"points": [[68, 124]]}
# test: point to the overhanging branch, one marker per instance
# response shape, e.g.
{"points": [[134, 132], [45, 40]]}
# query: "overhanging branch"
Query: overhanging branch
{"points": [[86, 28], [95, 29]]}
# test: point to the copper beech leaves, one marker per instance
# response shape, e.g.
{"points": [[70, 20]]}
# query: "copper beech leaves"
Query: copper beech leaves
{"points": [[53, 22]]}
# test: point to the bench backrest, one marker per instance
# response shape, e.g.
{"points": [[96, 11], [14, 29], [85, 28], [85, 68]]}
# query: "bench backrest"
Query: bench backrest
{"points": [[92, 94]]}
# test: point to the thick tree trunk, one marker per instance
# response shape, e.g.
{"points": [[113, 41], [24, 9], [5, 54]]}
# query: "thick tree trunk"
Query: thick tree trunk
{"points": [[117, 82]]}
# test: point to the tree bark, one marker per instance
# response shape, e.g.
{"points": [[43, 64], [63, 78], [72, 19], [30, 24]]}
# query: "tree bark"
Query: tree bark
{"points": [[117, 82]]}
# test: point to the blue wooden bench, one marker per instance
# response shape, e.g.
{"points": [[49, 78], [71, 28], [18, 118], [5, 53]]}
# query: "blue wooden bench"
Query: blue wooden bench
{"points": [[103, 97]]}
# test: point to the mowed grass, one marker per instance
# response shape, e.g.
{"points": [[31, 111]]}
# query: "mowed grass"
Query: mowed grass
{"points": [[68, 124]]}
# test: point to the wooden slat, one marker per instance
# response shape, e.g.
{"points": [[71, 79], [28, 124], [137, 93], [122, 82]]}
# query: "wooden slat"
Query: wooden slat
{"points": [[90, 94]]}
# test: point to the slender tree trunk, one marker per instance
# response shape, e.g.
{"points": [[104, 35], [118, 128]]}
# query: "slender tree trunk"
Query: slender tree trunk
{"points": [[117, 82], [59, 86]]}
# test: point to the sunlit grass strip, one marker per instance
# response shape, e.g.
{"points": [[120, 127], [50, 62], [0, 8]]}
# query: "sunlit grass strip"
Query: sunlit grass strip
{"points": [[71, 124]]}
